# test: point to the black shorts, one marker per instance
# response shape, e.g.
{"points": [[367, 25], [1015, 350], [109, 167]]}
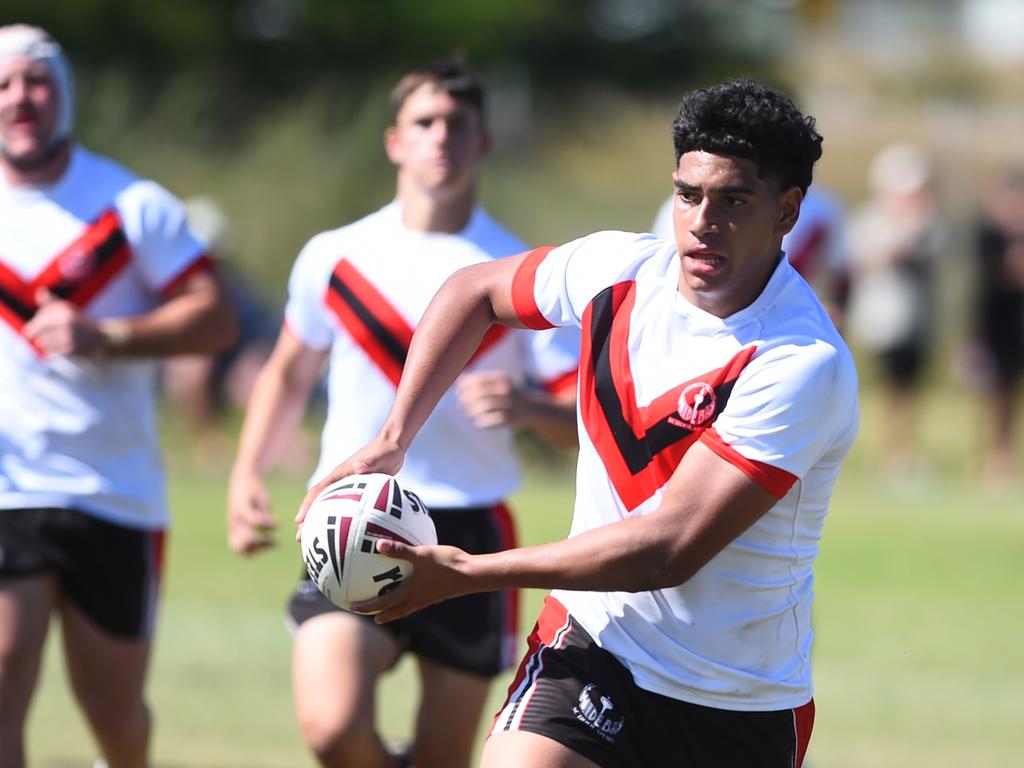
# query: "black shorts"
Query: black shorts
{"points": [[474, 633], [110, 572], [570, 690]]}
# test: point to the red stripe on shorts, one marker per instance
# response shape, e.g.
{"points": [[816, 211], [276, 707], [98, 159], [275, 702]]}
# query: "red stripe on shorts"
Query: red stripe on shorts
{"points": [[551, 623], [803, 724], [505, 524]]}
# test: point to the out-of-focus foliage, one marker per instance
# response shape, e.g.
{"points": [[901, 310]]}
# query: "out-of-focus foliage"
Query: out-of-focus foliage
{"points": [[267, 45]]}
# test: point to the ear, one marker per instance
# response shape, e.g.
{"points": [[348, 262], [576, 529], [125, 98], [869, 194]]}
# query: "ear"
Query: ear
{"points": [[392, 145], [788, 210]]}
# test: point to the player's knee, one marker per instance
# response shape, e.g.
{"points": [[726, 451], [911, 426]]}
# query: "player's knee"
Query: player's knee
{"points": [[338, 741]]}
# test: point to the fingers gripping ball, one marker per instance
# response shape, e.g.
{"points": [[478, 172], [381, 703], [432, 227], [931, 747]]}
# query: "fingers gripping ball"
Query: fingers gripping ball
{"points": [[342, 527]]}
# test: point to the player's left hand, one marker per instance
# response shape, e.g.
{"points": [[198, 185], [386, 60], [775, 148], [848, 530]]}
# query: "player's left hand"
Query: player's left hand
{"points": [[438, 573], [59, 328], [492, 399]]}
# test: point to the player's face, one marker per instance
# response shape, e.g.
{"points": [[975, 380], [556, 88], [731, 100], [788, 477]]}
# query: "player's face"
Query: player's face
{"points": [[28, 109], [437, 142], [729, 225]]}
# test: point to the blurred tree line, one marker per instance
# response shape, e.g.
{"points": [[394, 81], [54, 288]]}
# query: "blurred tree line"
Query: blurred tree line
{"points": [[253, 50], [276, 107]]}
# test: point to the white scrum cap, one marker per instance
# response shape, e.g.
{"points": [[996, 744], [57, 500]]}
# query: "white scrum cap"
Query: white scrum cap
{"points": [[24, 41]]}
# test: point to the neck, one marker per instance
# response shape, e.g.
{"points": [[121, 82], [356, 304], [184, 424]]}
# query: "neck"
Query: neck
{"points": [[426, 212], [38, 172]]}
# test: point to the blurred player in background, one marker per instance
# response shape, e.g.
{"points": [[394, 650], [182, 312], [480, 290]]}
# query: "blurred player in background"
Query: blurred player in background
{"points": [[716, 402], [355, 296], [99, 275]]}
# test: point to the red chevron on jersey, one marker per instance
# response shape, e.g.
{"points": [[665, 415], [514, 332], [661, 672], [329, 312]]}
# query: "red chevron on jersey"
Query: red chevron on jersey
{"points": [[87, 266], [376, 326], [77, 274], [641, 446]]}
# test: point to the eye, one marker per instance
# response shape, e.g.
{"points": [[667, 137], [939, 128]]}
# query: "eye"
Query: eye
{"points": [[689, 197]]}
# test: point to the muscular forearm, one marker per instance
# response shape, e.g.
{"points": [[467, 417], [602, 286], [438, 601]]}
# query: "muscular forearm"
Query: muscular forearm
{"points": [[632, 555], [187, 324]]}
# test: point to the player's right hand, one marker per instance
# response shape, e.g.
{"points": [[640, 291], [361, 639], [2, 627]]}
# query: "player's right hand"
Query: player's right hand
{"points": [[250, 524]]}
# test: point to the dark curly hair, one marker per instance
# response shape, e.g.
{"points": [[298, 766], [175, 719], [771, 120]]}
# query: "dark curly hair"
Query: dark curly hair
{"points": [[746, 119]]}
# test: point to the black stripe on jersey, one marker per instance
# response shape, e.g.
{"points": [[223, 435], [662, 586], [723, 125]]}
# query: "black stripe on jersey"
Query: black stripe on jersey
{"points": [[102, 253], [20, 309], [636, 452], [391, 345]]}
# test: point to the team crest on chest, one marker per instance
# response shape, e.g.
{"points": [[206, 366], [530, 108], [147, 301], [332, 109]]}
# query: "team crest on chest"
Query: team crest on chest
{"points": [[696, 406], [76, 264]]}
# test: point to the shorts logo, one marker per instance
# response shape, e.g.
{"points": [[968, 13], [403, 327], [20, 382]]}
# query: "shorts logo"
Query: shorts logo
{"points": [[696, 406], [598, 712]]}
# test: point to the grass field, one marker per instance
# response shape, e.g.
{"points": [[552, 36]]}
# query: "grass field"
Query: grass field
{"points": [[918, 618]]}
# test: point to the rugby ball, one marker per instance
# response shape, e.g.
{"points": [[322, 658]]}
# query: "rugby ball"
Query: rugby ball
{"points": [[342, 528]]}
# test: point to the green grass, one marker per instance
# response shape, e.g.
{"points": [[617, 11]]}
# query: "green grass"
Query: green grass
{"points": [[916, 661]]}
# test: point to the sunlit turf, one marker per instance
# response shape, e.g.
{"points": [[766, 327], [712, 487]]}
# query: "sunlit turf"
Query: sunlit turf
{"points": [[918, 619]]}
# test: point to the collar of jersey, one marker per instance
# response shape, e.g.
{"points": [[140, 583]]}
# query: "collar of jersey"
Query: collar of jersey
{"points": [[751, 313]]}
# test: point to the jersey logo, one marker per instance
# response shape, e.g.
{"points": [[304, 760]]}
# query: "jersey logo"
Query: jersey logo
{"points": [[76, 274], [376, 326], [696, 406], [641, 446]]}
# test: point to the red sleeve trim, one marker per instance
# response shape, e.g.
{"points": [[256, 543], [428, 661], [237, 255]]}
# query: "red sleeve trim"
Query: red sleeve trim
{"points": [[201, 264], [523, 299], [774, 480], [563, 383]]}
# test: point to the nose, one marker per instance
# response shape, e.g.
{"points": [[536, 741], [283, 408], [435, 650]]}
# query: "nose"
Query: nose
{"points": [[440, 131], [702, 219]]}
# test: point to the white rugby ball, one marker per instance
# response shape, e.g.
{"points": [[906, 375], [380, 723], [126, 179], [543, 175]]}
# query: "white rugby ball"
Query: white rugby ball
{"points": [[342, 527]]}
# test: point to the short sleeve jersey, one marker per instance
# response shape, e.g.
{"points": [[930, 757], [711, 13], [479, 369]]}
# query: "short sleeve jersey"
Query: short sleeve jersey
{"points": [[80, 432], [360, 291], [771, 389]]}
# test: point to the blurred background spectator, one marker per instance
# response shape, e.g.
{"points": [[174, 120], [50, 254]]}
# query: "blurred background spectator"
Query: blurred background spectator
{"points": [[998, 312], [895, 239]]}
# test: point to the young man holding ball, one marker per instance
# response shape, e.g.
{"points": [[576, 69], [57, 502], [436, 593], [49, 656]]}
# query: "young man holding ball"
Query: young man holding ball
{"points": [[716, 401]]}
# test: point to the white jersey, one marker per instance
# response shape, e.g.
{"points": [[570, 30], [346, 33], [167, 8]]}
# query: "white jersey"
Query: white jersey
{"points": [[361, 290], [77, 432], [771, 389]]}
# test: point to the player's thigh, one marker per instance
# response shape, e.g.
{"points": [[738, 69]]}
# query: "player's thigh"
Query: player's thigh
{"points": [[107, 671], [337, 659], [522, 749], [26, 603], [445, 734]]}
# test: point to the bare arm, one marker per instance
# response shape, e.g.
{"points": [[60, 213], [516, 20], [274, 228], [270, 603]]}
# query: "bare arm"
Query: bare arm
{"points": [[494, 399], [707, 503], [469, 302], [275, 408], [196, 318]]}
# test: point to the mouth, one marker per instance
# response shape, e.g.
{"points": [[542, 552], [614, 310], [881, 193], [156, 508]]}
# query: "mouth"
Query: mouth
{"points": [[703, 261], [24, 120]]}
